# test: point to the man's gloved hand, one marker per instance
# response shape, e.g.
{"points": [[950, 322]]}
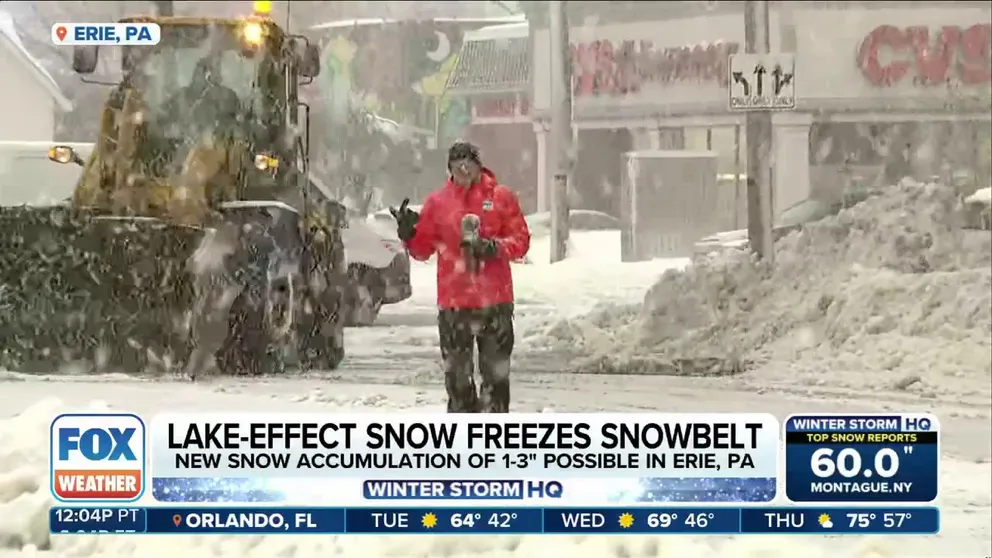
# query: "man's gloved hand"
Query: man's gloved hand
{"points": [[480, 248], [406, 220]]}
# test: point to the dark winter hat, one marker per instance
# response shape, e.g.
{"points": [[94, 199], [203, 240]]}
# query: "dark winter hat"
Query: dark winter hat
{"points": [[463, 150]]}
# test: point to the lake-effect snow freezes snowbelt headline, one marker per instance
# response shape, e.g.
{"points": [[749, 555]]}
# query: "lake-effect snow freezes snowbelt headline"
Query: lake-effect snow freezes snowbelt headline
{"points": [[622, 445]]}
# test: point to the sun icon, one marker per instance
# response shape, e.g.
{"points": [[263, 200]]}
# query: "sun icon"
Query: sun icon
{"points": [[825, 521], [626, 520], [429, 520]]}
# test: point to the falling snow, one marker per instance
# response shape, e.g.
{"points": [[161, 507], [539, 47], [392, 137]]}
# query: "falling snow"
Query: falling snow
{"points": [[881, 303]]}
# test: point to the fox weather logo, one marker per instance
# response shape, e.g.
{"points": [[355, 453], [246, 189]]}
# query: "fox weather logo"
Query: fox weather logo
{"points": [[97, 457]]}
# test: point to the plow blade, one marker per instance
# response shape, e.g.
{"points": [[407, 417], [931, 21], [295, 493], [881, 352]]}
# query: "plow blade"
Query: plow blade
{"points": [[104, 293]]}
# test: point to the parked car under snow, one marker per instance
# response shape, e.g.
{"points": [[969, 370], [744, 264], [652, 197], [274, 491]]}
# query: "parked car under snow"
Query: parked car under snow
{"points": [[378, 270], [578, 220], [384, 218], [378, 267], [791, 219]]}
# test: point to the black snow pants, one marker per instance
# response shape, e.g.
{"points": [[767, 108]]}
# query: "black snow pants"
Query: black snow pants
{"points": [[491, 331]]}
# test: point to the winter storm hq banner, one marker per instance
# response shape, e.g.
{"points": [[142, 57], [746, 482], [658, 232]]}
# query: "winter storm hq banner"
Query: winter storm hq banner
{"points": [[376, 459]]}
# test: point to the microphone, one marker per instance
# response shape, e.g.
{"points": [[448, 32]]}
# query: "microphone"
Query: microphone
{"points": [[470, 234], [470, 227]]}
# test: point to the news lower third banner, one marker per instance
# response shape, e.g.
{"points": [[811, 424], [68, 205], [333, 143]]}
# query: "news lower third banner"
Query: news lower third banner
{"points": [[529, 459], [517, 520]]}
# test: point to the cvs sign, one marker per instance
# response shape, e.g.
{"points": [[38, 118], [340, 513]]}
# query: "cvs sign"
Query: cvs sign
{"points": [[97, 457]]}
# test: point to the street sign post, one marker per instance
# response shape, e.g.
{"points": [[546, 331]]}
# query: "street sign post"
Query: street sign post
{"points": [[762, 82]]}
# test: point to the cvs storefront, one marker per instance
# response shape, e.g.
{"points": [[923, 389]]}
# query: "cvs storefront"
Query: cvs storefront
{"points": [[882, 92]]}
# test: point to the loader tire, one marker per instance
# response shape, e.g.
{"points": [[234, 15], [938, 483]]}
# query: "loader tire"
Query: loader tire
{"points": [[321, 313], [363, 296], [248, 349], [320, 334]]}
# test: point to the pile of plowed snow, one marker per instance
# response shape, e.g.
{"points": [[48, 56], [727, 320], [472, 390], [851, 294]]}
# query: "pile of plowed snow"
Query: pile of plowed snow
{"points": [[891, 284], [25, 500]]}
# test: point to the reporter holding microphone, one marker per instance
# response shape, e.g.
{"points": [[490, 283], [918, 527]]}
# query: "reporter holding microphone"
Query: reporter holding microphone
{"points": [[476, 228]]}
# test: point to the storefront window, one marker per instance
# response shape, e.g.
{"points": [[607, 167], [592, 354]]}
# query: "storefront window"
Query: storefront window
{"points": [[721, 140], [883, 153]]}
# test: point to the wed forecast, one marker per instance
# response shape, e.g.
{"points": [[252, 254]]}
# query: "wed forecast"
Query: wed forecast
{"points": [[508, 460]]}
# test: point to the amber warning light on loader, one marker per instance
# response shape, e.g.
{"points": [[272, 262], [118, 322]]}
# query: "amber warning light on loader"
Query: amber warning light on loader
{"points": [[123, 34], [263, 7]]}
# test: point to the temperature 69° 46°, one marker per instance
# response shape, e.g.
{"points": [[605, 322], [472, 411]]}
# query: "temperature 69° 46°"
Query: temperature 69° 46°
{"points": [[691, 520]]}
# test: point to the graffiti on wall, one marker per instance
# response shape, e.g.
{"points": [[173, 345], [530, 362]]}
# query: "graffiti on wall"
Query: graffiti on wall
{"points": [[396, 70], [605, 68], [932, 56]]}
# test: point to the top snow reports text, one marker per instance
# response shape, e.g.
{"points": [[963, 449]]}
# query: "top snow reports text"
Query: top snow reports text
{"points": [[481, 436]]}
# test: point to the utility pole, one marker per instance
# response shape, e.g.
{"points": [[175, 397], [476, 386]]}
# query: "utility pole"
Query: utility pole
{"points": [[759, 142], [561, 126], [165, 8]]}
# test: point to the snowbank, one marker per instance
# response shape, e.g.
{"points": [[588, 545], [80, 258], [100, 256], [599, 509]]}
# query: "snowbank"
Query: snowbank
{"points": [[25, 499], [892, 285]]}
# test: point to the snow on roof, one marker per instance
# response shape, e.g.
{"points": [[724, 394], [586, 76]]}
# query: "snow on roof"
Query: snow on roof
{"points": [[499, 63], [671, 154], [359, 22], [12, 42], [496, 32], [240, 204]]}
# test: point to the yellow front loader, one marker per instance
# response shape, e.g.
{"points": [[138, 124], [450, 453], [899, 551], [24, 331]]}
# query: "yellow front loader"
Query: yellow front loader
{"points": [[193, 233]]}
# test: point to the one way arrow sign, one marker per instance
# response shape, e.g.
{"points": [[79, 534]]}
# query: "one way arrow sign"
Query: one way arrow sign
{"points": [[762, 81]]}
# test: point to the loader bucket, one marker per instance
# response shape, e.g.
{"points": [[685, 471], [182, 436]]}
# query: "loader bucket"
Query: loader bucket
{"points": [[107, 293]]}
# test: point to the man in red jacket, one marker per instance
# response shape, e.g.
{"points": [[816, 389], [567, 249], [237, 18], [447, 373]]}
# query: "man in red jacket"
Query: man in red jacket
{"points": [[475, 226]]}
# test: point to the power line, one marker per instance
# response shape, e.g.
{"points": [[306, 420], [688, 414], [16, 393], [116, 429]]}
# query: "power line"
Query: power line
{"points": [[504, 7]]}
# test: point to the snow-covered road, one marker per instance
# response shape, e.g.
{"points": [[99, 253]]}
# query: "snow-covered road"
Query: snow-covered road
{"points": [[392, 367]]}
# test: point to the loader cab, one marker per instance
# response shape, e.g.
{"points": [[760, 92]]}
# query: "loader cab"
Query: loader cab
{"points": [[233, 81]]}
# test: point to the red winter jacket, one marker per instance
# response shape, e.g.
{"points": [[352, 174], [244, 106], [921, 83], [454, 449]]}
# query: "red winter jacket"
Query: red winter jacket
{"points": [[440, 231]]}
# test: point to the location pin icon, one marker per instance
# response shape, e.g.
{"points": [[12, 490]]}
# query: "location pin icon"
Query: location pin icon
{"points": [[177, 519], [60, 32]]}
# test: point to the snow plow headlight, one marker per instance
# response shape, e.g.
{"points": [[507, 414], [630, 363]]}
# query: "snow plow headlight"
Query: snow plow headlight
{"points": [[264, 162], [61, 154], [253, 33]]}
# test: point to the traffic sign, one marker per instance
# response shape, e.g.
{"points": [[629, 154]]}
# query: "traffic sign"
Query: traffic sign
{"points": [[762, 81]]}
